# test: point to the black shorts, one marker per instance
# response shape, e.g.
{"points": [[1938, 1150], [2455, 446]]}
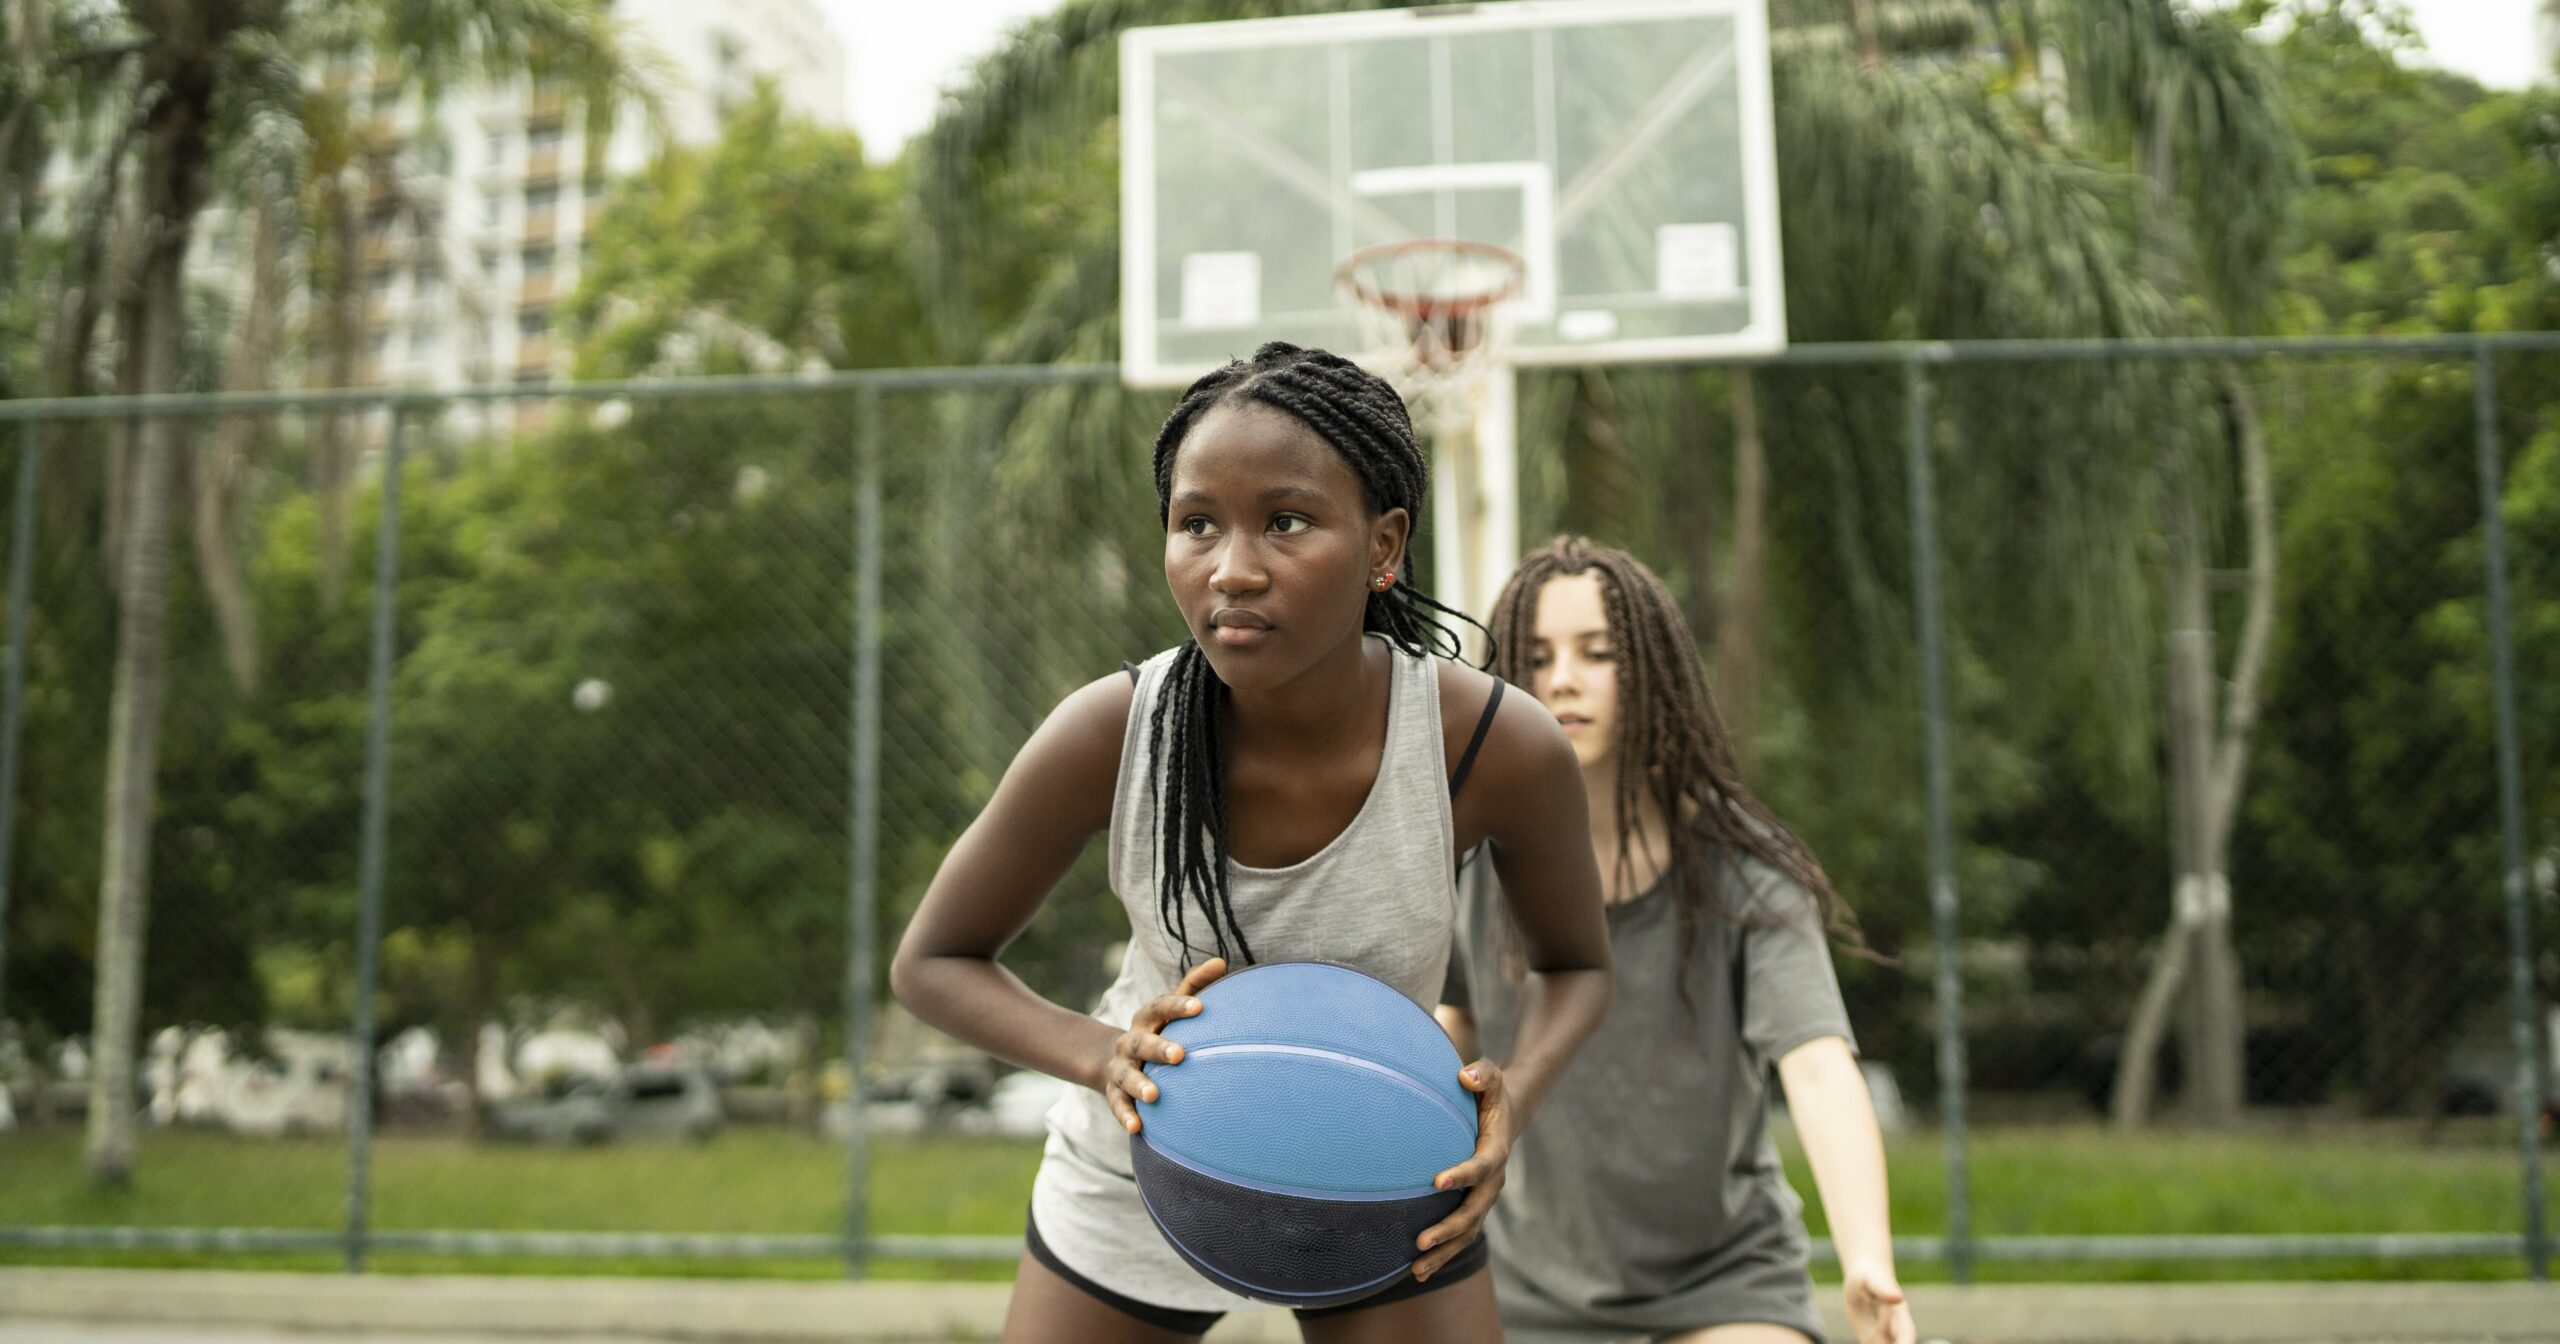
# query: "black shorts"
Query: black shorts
{"points": [[1461, 1267]]}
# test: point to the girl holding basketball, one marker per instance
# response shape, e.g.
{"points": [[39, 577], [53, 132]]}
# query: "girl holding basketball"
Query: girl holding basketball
{"points": [[1650, 1206], [1294, 782]]}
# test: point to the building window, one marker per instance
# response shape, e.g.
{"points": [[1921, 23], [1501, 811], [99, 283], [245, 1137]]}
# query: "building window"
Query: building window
{"points": [[497, 148], [378, 344], [540, 199], [542, 138], [534, 325], [537, 261]]}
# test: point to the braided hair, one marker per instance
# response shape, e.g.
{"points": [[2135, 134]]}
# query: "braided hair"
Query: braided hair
{"points": [[1672, 745], [1364, 419]]}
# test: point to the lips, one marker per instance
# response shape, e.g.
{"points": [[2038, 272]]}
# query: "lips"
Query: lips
{"points": [[1238, 628]]}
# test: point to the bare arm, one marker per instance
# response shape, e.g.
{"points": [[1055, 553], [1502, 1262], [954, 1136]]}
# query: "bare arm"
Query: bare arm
{"points": [[1053, 799], [1526, 797], [1542, 854], [1460, 1023], [1836, 1120]]}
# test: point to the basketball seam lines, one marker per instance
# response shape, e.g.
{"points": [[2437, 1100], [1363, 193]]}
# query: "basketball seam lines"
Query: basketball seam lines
{"points": [[1338, 1057], [1260, 1186]]}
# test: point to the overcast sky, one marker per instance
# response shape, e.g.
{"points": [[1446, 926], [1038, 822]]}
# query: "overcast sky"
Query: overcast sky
{"points": [[902, 53]]}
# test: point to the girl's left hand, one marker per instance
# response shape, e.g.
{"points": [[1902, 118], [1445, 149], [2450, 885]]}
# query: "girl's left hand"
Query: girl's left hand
{"points": [[1878, 1312], [1482, 1173]]}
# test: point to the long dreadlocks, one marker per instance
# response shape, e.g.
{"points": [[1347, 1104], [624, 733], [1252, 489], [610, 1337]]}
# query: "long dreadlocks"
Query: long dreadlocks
{"points": [[1672, 745], [1360, 414]]}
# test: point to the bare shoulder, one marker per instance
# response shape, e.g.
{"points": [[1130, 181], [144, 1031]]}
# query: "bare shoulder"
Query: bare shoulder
{"points": [[1071, 765], [1523, 732], [1525, 765]]}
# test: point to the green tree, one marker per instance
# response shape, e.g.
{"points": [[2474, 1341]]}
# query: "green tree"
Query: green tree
{"points": [[2432, 207], [203, 75], [778, 244]]}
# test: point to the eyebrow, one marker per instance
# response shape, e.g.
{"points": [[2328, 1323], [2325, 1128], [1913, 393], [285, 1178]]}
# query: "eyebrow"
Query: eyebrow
{"points": [[1270, 495]]}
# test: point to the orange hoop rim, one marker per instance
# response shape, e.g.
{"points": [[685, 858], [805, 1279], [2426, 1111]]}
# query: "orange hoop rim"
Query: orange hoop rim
{"points": [[1352, 275]]}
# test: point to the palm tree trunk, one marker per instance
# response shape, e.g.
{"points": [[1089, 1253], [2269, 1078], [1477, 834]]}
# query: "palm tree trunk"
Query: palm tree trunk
{"points": [[174, 183], [2204, 887], [2190, 731], [123, 438], [2225, 1031], [217, 471], [330, 457], [1739, 625], [2208, 765]]}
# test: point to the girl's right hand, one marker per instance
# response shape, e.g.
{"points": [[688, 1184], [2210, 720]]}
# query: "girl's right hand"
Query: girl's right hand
{"points": [[1124, 1074]]}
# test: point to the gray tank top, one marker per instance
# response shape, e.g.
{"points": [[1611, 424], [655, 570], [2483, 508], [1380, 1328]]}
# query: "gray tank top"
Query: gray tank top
{"points": [[1379, 898]]}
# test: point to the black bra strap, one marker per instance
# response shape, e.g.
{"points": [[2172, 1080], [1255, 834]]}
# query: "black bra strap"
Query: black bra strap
{"points": [[1130, 668], [1483, 725]]}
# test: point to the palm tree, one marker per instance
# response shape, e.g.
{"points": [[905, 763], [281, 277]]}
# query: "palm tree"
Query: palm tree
{"points": [[202, 72], [2190, 102]]}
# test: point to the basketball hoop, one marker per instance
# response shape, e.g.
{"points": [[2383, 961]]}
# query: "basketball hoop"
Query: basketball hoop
{"points": [[1428, 304]]}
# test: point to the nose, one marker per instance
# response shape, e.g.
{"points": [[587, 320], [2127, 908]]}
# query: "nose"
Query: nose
{"points": [[1239, 568], [1564, 673]]}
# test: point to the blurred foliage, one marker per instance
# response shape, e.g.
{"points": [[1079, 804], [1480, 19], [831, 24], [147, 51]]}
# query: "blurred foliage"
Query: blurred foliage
{"points": [[622, 708]]}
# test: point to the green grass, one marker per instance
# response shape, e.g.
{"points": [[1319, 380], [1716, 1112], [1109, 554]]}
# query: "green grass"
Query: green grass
{"points": [[2308, 1179], [2050, 1181]]}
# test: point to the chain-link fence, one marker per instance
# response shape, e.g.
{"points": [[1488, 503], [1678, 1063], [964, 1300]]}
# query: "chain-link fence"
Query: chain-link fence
{"points": [[2180, 688]]}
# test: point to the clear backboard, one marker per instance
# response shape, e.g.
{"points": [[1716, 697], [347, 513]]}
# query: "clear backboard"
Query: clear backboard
{"points": [[1622, 148]]}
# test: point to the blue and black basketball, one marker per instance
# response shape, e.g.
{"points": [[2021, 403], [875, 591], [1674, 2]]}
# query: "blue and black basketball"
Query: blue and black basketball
{"points": [[1289, 1156]]}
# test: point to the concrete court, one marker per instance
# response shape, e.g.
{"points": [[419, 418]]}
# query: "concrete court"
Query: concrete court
{"points": [[108, 1306]]}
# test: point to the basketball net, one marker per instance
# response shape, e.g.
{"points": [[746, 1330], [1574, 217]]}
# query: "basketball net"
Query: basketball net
{"points": [[1427, 309], [1430, 313]]}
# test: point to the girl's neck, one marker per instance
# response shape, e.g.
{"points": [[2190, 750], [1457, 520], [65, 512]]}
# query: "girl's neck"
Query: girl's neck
{"points": [[1320, 707], [1649, 836]]}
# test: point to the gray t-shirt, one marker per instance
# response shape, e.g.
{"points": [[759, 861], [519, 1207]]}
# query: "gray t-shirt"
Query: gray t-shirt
{"points": [[1647, 1197]]}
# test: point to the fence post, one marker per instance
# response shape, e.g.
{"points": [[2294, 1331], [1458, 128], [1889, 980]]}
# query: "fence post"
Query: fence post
{"points": [[1942, 876], [863, 893], [22, 556], [2502, 684], [377, 803]]}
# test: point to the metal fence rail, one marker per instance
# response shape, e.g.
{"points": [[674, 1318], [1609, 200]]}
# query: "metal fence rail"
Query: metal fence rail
{"points": [[849, 406]]}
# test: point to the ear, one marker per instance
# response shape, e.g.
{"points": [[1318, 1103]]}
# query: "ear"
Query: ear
{"points": [[1388, 535]]}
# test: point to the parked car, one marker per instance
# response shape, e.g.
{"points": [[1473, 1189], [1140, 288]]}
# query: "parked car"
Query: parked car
{"points": [[670, 1101], [565, 1109], [639, 1102]]}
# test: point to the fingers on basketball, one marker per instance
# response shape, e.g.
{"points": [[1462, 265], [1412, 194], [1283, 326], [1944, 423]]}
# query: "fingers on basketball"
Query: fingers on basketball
{"points": [[1202, 976], [1430, 1263]]}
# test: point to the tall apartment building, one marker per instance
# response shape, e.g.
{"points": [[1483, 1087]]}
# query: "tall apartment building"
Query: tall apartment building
{"points": [[474, 301], [470, 248]]}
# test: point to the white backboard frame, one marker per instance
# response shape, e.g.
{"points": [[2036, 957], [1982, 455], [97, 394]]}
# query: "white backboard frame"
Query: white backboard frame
{"points": [[1763, 331]]}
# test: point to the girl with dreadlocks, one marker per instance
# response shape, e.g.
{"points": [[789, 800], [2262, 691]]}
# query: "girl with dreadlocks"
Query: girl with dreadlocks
{"points": [[1656, 1210], [1296, 781]]}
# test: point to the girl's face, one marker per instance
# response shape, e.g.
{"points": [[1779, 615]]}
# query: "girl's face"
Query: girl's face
{"points": [[1573, 668], [1269, 546]]}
